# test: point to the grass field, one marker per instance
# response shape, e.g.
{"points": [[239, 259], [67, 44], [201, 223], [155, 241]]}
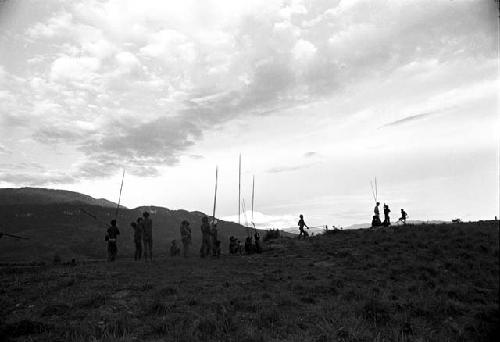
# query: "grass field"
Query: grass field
{"points": [[415, 283]]}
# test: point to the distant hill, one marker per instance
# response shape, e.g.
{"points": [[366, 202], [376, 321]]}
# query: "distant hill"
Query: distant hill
{"points": [[56, 222], [10, 196]]}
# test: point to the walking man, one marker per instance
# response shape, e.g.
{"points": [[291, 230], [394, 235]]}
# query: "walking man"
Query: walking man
{"points": [[185, 237], [403, 217], [301, 225], [111, 235], [147, 236]]}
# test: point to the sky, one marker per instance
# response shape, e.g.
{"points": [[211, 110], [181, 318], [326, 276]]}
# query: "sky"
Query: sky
{"points": [[318, 97]]}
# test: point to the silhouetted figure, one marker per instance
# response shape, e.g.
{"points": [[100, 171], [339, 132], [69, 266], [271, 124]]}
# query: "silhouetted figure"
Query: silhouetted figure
{"points": [[213, 238], [387, 220], [174, 249], [403, 217], [110, 237], [239, 247], [376, 217], [205, 237], [185, 237], [216, 249], [248, 245], [233, 245], [258, 248], [301, 225], [147, 236], [137, 240]]}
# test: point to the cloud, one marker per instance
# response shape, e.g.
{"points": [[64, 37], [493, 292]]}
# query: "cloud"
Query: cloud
{"points": [[410, 119], [141, 82], [140, 147], [280, 169], [310, 154], [4, 150], [32, 174]]}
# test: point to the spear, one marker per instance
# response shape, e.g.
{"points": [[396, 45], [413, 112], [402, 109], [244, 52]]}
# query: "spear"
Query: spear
{"points": [[120, 196], [13, 236], [94, 217], [215, 192], [253, 196], [239, 192]]}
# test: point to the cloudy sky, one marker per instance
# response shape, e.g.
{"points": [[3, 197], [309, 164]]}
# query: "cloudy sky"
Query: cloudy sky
{"points": [[318, 96]]}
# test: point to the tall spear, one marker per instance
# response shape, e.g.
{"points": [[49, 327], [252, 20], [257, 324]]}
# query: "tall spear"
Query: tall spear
{"points": [[215, 193], [253, 196], [239, 192], [120, 196]]}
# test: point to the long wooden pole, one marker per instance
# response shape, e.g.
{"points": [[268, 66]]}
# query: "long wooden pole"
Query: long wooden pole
{"points": [[239, 192], [215, 192], [253, 196], [120, 196]]}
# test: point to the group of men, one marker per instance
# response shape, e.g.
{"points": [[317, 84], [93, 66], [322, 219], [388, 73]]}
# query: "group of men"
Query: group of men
{"points": [[251, 246], [143, 234], [387, 220]]}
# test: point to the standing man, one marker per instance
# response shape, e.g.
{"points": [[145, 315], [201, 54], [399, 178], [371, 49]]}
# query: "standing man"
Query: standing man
{"points": [[376, 217], [185, 237], [147, 236], [213, 236], [387, 220], [137, 240], [301, 225], [111, 235], [256, 236], [205, 237]]}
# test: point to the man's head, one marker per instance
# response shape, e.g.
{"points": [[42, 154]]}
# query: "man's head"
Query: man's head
{"points": [[301, 216], [145, 214], [378, 203], [139, 219], [113, 223]]}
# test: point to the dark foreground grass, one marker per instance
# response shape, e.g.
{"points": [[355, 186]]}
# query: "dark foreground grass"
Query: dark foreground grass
{"points": [[417, 283]]}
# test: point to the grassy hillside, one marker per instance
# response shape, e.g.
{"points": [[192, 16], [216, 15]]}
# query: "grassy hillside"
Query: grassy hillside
{"points": [[417, 283]]}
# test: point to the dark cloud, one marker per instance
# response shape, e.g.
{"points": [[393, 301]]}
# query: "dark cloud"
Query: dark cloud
{"points": [[139, 148]]}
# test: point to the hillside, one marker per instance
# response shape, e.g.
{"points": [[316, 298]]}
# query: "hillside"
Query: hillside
{"points": [[40, 196], [416, 283], [58, 225]]}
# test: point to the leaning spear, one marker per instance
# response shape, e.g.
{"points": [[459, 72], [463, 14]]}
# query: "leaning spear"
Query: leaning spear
{"points": [[215, 193], [13, 236], [120, 196]]}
